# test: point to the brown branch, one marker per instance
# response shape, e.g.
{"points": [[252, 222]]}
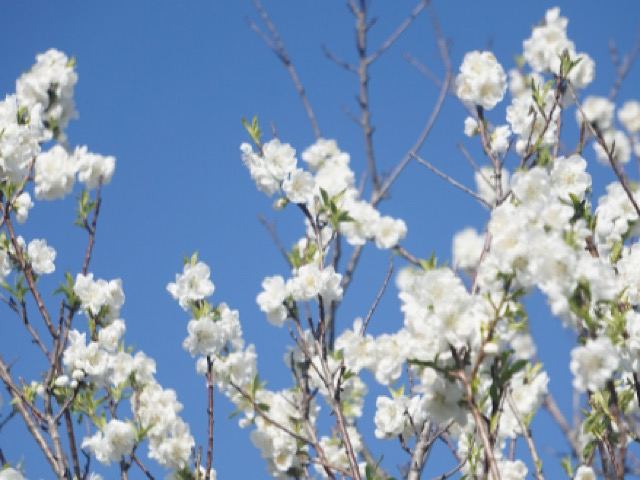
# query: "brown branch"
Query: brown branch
{"points": [[615, 409], [272, 231], [394, 36], [338, 61], [209, 417], [92, 229], [378, 297], [550, 404], [406, 255], [444, 53], [451, 472], [363, 99], [452, 181], [26, 268], [281, 52], [598, 135], [480, 423], [527, 435], [142, 467], [30, 422], [623, 69], [22, 313], [420, 451]]}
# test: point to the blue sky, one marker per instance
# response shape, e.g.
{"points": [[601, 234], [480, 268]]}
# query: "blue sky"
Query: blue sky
{"points": [[162, 87]]}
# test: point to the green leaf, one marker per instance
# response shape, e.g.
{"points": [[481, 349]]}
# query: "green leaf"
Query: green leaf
{"points": [[588, 449], [567, 467], [253, 129]]}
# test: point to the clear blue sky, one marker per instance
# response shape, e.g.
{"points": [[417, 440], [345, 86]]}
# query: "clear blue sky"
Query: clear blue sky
{"points": [[163, 85]]}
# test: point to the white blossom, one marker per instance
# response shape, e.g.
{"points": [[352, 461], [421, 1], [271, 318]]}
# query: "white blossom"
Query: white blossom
{"points": [[55, 172], [41, 257], [481, 80], [194, 284], [299, 186], [93, 168], [629, 116], [49, 84], [21, 207], [598, 111], [593, 364], [271, 299]]}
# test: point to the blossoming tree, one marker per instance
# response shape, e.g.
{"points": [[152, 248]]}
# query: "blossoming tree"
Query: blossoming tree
{"points": [[462, 369]]}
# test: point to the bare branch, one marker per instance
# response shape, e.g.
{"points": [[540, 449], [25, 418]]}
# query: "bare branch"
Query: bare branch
{"points": [[378, 297], [30, 422], [444, 52], [623, 69], [598, 135], [550, 404], [272, 231], [277, 46], [394, 36], [338, 61], [452, 181], [532, 448]]}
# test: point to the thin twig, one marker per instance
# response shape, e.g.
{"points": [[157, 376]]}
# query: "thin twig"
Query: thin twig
{"points": [[525, 431], [452, 181], [550, 404], [142, 467], [272, 231], [394, 36], [444, 53], [338, 61], [207, 473], [378, 297], [92, 229], [623, 70], [452, 472], [598, 135], [281, 52]]}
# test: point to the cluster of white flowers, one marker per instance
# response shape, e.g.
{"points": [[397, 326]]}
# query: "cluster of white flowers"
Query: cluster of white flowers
{"points": [[105, 360], [41, 256], [22, 131], [482, 80], [100, 295], [49, 84], [309, 282], [542, 51], [193, 285], [118, 440], [275, 169], [170, 442]]}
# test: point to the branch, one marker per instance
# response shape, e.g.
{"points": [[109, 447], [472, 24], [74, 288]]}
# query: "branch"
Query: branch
{"points": [[207, 473], [31, 424], [598, 135], [92, 229], [532, 448], [444, 52], [272, 231], [26, 268], [452, 181], [550, 404], [479, 421], [623, 69], [277, 46], [378, 297], [22, 313], [338, 61], [394, 36], [363, 75]]}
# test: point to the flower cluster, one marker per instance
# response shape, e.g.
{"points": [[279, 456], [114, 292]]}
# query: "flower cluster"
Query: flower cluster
{"points": [[482, 80]]}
